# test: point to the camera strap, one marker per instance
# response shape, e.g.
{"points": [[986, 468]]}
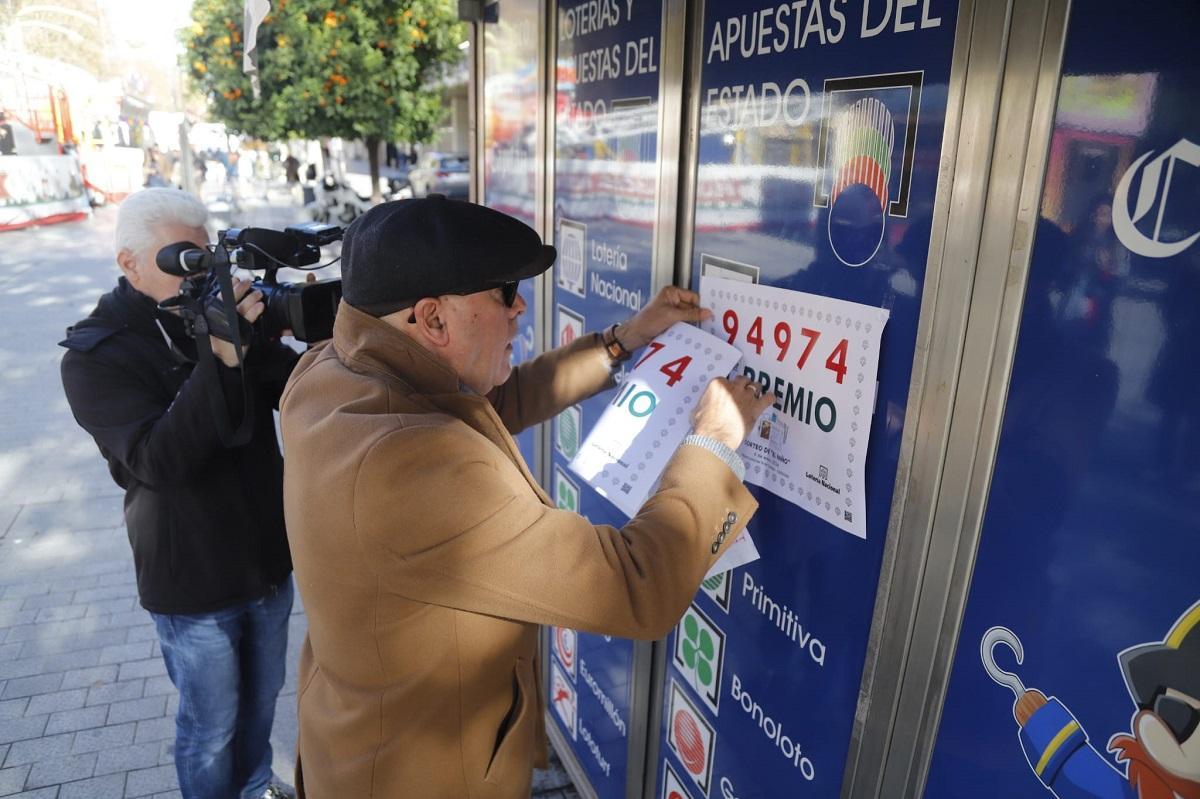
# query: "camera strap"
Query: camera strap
{"points": [[201, 330], [245, 429]]}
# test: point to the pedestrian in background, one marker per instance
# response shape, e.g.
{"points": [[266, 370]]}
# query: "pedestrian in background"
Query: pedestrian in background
{"points": [[291, 167]]}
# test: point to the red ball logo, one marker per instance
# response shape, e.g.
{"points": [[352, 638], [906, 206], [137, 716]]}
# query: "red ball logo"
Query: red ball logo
{"points": [[690, 742]]}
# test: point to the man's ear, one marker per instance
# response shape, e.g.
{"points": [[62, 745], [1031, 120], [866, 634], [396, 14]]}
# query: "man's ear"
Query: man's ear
{"points": [[129, 266], [431, 321]]}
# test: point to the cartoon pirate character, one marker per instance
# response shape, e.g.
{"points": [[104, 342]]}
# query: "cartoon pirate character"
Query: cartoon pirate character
{"points": [[1162, 752]]}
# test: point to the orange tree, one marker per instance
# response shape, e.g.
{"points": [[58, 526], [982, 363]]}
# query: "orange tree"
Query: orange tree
{"points": [[356, 69]]}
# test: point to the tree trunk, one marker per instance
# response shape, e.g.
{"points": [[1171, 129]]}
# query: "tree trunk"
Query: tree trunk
{"points": [[373, 145]]}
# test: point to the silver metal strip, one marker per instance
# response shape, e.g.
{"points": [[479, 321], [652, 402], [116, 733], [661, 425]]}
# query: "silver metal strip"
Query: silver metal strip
{"points": [[549, 121], [478, 81], [671, 48], [544, 176], [649, 658], [547, 164], [542, 334], [991, 39], [948, 279], [1010, 57], [566, 754], [641, 694], [544, 161], [1030, 98], [547, 158], [657, 681], [689, 143]]}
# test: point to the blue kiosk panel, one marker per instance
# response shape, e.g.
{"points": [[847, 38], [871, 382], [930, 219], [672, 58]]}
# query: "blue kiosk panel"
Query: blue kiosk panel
{"points": [[512, 69], [764, 670], [1088, 553], [606, 140]]}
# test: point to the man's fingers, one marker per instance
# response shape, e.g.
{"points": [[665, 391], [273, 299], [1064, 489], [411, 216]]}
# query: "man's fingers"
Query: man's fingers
{"points": [[766, 401], [240, 287], [684, 296], [676, 297], [751, 395], [688, 302], [251, 306], [250, 299]]}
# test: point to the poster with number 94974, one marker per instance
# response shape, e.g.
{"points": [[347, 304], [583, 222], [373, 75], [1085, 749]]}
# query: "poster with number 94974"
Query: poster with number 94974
{"points": [[820, 357]]}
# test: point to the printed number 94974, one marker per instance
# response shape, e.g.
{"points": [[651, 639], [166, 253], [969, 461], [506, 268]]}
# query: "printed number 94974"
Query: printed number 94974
{"points": [[835, 362]]}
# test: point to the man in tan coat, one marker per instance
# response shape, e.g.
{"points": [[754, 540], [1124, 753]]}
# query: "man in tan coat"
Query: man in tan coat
{"points": [[425, 552]]}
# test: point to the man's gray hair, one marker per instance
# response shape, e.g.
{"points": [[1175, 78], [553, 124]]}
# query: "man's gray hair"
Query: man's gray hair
{"points": [[143, 212]]}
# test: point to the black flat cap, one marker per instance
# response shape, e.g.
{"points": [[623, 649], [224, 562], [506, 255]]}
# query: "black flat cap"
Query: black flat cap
{"points": [[402, 251]]}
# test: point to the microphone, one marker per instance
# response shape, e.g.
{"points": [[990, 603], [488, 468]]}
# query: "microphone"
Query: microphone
{"points": [[182, 259]]}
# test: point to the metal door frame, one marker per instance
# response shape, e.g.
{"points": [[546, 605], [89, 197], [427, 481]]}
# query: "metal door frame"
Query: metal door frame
{"points": [[476, 118], [548, 44], [674, 173], [1014, 69], [971, 112], [968, 128], [543, 287], [478, 104], [645, 670]]}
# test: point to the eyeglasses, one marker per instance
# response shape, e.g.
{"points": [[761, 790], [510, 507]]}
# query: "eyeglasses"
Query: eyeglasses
{"points": [[508, 295], [508, 292], [1179, 716]]}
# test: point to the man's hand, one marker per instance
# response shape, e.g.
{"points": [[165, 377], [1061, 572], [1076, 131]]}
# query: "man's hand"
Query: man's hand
{"points": [[1027, 705], [672, 305], [728, 408], [250, 306]]}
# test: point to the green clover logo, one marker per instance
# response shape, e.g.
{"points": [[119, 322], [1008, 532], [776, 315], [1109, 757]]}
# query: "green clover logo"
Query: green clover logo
{"points": [[698, 649], [566, 497]]}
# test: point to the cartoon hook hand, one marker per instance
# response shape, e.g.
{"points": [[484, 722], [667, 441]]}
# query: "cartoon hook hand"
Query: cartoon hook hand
{"points": [[1002, 635]]}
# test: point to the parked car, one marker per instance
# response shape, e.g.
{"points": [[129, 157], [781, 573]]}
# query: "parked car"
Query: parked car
{"points": [[441, 173]]}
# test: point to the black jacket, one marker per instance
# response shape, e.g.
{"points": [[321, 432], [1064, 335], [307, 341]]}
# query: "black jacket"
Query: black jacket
{"points": [[205, 521]]}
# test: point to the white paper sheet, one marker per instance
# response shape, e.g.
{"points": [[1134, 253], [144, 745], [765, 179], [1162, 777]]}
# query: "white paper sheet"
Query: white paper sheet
{"points": [[650, 414], [740, 552], [820, 356]]}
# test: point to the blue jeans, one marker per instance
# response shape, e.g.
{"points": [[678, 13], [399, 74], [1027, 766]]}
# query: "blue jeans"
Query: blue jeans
{"points": [[228, 666]]}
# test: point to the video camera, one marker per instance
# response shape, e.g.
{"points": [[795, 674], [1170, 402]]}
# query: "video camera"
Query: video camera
{"points": [[206, 295]]}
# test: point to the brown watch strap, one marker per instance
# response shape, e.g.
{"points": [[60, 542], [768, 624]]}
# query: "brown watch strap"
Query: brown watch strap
{"points": [[613, 346]]}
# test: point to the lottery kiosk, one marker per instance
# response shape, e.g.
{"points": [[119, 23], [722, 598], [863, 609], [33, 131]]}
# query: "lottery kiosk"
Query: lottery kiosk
{"points": [[959, 243]]}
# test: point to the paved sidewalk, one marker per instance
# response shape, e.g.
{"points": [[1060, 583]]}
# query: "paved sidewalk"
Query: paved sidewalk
{"points": [[85, 704], [86, 708]]}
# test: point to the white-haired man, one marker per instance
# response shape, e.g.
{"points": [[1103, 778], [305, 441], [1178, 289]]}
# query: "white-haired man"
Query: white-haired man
{"points": [[205, 521]]}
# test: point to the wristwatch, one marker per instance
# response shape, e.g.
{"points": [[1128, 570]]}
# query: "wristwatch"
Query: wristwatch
{"points": [[613, 346]]}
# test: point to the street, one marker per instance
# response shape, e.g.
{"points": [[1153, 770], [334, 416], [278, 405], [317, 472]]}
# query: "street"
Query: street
{"points": [[86, 707]]}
